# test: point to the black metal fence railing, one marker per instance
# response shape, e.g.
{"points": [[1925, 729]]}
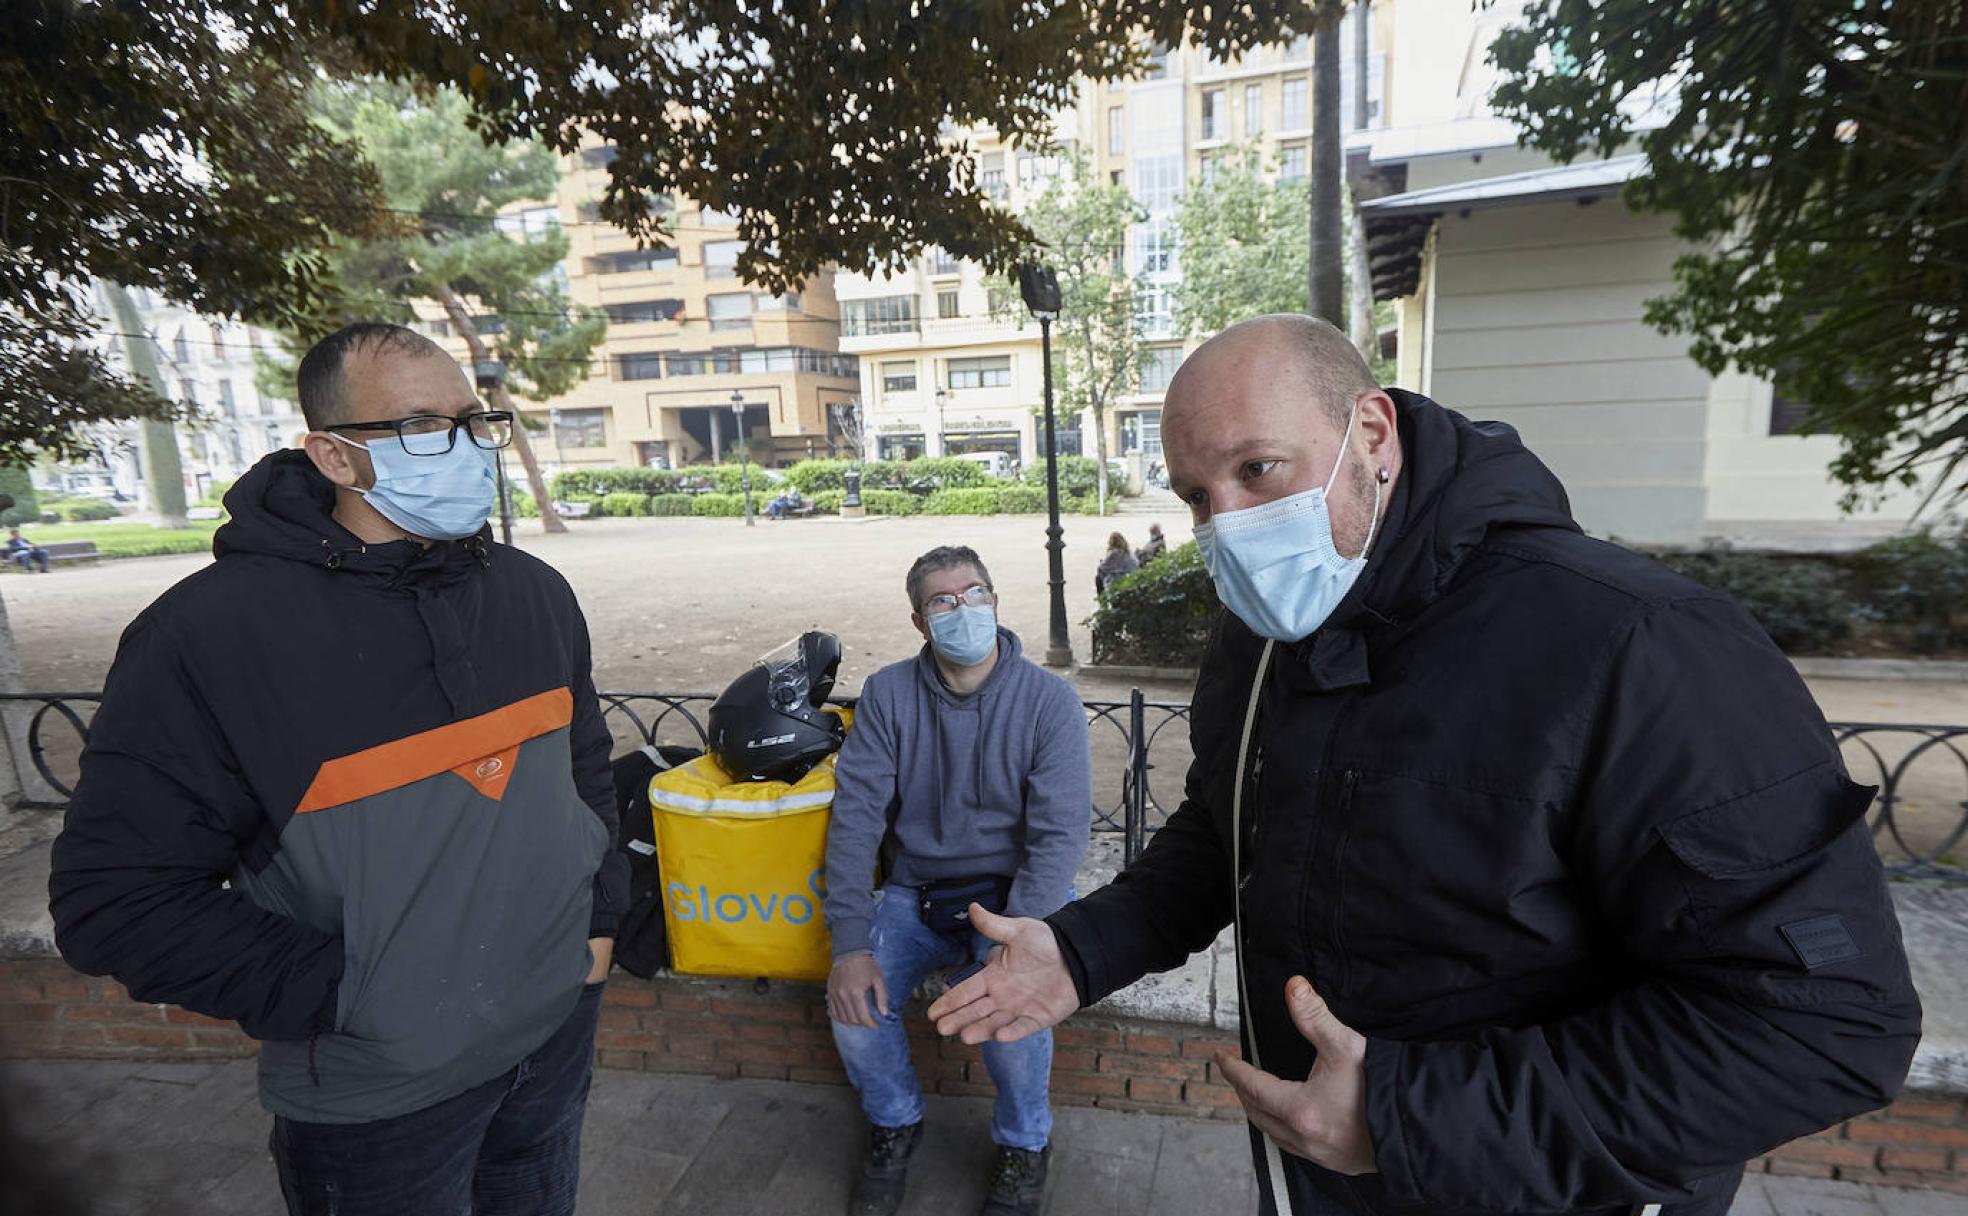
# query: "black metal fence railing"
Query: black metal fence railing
{"points": [[1919, 817]]}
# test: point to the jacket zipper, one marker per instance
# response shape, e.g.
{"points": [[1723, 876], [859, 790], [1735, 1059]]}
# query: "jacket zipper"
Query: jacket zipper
{"points": [[1344, 812], [1250, 796]]}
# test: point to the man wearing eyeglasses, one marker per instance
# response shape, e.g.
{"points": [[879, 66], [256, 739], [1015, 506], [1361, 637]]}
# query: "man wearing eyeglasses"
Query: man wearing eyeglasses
{"points": [[971, 762], [349, 787]]}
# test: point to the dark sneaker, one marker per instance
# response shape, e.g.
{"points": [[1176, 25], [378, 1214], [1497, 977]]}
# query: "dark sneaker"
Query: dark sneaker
{"points": [[1018, 1181], [885, 1173]]}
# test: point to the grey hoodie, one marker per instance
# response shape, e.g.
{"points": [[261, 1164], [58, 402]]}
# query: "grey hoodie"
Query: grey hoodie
{"points": [[998, 782]]}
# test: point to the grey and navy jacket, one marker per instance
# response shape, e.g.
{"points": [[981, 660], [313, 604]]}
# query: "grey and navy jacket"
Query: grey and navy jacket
{"points": [[355, 798], [999, 782]]}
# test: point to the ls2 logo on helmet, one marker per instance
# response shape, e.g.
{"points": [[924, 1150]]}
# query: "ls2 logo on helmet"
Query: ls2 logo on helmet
{"points": [[734, 907]]}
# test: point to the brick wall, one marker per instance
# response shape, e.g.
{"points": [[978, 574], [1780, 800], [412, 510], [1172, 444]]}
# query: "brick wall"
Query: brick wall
{"points": [[728, 1029]]}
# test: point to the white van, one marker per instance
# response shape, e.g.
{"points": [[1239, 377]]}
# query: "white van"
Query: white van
{"points": [[997, 464]]}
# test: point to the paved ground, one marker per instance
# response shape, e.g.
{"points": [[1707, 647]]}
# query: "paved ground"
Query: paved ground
{"points": [[672, 603], [164, 1139]]}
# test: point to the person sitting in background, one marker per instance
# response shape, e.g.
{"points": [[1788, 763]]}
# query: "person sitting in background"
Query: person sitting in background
{"points": [[24, 552], [1156, 546], [1118, 561], [784, 504], [971, 763]]}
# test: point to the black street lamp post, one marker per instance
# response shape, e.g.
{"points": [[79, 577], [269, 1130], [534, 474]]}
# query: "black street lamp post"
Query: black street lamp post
{"points": [[1040, 288], [744, 456], [489, 374]]}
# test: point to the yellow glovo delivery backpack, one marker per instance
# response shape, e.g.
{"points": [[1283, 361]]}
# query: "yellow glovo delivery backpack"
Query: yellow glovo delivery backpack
{"points": [[741, 832]]}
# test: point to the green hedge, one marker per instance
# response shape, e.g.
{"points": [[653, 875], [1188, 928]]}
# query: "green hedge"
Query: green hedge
{"points": [[718, 504], [1020, 500], [672, 504], [1078, 476], [949, 472], [1907, 595], [980, 500], [87, 510], [810, 477], [579, 485], [624, 502], [1160, 615], [27, 508], [576, 485], [1804, 603], [891, 502], [827, 502], [523, 505], [1920, 584]]}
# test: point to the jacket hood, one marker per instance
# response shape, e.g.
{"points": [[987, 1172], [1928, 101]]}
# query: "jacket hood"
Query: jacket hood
{"points": [[1460, 481], [283, 507]]}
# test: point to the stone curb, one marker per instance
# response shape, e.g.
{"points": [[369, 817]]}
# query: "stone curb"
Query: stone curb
{"points": [[1186, 675]]}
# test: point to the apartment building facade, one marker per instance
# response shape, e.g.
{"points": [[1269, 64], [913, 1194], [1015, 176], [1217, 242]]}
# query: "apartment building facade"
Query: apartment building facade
{"points": [[208, 365], [694, 358], [950, 363]]}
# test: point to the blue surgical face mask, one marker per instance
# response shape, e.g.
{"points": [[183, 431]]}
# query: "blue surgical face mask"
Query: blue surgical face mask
{"points": [[445, 497], [1276, 565], [966, 635]]}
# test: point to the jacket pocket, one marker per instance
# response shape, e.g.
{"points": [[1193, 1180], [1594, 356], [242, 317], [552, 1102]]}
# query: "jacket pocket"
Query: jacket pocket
{"points": [[1770, 828]]}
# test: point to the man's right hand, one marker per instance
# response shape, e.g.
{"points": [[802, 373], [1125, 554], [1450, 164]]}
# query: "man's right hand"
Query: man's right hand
{"points": [[848, 984], [1023, 989]]}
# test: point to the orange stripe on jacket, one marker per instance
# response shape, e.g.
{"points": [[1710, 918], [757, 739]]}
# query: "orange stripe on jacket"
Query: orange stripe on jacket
{"points": [[393, 765]]}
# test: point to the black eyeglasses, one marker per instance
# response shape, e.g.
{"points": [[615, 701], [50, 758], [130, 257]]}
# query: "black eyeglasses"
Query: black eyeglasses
{"points": [[436, 434]]}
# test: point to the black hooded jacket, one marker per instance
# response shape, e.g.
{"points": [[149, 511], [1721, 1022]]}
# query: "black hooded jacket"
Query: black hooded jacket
{"points": [[1561, 833], [354, 797]]}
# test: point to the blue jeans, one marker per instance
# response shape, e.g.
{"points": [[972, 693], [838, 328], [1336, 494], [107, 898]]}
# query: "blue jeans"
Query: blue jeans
{"points": [[878, 1061], [509, 1147]]}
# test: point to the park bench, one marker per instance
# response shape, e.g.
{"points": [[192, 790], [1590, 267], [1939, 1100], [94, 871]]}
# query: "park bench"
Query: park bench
{"points": [[204, 513], [64, 551], [573, 510]]}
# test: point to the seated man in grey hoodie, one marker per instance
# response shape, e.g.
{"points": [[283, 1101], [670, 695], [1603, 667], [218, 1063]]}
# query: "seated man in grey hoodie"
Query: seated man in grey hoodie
{"points": [[974, 762]]}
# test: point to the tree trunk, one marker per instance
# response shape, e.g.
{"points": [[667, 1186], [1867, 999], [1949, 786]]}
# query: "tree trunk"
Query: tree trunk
{"points": [[1359, 283], [17, 777], [163, 470], [1326, 290], [1099, 409], [461, 320]]}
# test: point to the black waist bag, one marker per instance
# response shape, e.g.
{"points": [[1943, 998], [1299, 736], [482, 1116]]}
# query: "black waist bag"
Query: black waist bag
{"points": [[945, 903]]}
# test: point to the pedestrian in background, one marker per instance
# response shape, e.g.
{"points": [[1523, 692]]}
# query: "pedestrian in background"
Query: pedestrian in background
{"points": [[1115, 564]]}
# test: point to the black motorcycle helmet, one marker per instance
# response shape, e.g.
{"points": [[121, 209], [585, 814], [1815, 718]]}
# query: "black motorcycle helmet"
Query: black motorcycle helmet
{"points": [[769, 724]]}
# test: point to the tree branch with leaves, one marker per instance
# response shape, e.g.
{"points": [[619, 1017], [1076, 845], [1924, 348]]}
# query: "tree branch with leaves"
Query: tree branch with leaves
{"points": [[1081, 225], [1815, 156]]}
